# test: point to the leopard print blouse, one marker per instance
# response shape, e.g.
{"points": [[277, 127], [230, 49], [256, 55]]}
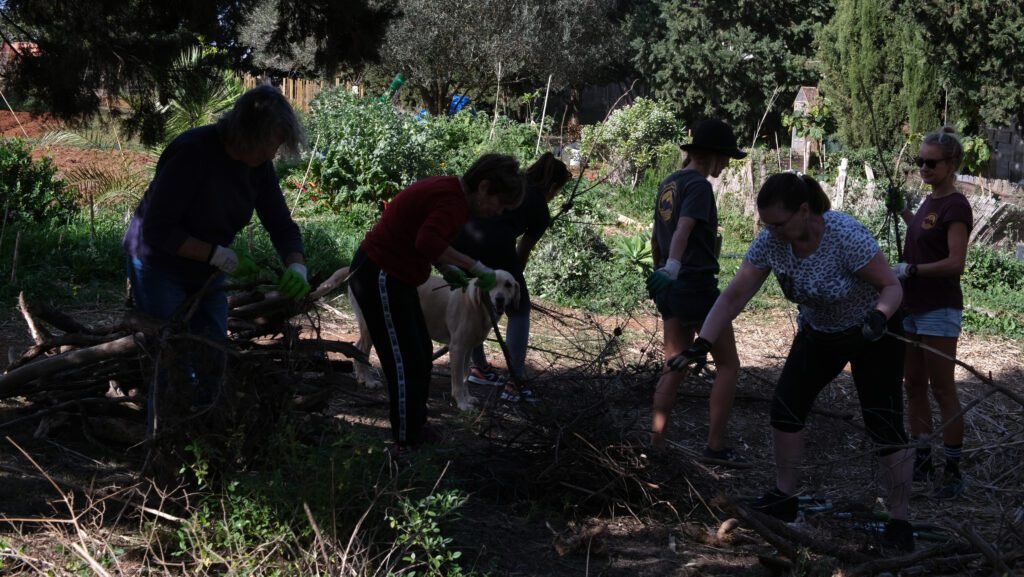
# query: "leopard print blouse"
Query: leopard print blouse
{"points": [[830, 297]]}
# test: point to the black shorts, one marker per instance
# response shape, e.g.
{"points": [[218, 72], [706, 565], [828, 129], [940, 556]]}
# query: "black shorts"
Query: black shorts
{"points": [[689, 299]]}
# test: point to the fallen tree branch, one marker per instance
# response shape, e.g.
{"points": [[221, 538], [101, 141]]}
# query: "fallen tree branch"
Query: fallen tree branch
{"points": [[11, 381]]}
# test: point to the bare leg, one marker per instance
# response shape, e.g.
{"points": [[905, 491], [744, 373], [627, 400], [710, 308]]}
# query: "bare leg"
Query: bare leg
{"points": [[915, 380], [943, 387], [677, 338], [723, 392]]}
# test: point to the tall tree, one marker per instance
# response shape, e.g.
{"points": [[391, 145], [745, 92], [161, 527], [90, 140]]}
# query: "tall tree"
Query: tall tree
{"points": [[296, 58], [977, 49], [861, 51], [109, 47], [442, 51], [727, 59]]}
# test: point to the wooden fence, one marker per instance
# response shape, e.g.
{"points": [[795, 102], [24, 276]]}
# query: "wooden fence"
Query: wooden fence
{"points": [[1007, 161], [299, 91]]}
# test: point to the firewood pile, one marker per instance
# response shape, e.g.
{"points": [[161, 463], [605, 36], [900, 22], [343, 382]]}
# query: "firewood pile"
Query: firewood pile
{"points": [[102, 375]]}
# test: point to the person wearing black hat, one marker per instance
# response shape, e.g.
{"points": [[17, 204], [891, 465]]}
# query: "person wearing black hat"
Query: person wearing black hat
{"points": [[685, 285]]}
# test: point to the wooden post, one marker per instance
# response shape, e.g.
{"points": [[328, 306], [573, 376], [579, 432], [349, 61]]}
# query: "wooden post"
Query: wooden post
{"points": [[540, 131]]}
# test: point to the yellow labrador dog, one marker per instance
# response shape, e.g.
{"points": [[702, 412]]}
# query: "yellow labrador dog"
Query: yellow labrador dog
{"points": [[456, 318]]}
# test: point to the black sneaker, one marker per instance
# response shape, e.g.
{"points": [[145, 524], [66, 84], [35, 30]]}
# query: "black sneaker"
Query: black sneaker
{"points": [[952, 485], [486, 376], [727, 457], [923, 469], [777, 504], [898, 536]]}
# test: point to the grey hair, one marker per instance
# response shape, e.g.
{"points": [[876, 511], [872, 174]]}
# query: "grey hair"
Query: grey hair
{"points": [[260, 118], [949, 142]]}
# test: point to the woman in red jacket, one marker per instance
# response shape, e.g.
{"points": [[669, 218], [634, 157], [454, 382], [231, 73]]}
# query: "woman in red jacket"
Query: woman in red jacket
{"points": [[395, 257]]}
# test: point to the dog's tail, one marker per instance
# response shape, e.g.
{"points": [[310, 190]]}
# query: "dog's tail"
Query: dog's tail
{"points": [[337, 279]]}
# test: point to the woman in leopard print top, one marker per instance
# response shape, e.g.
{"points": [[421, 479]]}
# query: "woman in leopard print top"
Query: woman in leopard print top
{"points": [[831, 267]]}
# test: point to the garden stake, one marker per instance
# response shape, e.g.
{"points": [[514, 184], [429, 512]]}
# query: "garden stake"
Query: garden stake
{"points": [[14, 261], [543, 111], [302, 185], [3, 226], [486, 297]]}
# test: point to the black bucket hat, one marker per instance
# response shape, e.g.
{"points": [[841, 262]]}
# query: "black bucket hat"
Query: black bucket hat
{"points": [[714, 136]]}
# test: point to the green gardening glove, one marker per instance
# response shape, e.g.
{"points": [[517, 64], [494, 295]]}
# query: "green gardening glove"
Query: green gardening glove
{"points": [[293, 283], [485, 277], [455, 278], [895, 200], [246, 267]]}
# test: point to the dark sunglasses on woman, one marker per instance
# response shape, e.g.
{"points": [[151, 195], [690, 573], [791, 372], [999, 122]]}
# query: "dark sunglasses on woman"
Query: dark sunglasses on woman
{"points": [[929, 162]]}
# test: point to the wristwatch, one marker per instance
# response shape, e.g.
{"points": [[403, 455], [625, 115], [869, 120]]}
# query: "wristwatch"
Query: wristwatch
{"points": [[912, 270]]}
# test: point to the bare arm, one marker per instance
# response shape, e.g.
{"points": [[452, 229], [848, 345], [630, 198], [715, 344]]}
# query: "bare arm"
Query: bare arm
{"points": [[744, 286], [195, 249], [879, 274], [524, 248], [952, 265], [681, 236]]}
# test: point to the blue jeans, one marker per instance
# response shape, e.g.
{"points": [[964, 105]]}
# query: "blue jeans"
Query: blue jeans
{"points": [[160, 294], [944, 322]]}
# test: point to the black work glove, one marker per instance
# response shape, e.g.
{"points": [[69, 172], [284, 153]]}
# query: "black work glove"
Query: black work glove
{"points": [[874, 325], [693, 358]]}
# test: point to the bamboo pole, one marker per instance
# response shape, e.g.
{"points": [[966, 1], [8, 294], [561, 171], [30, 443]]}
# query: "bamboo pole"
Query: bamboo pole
{"points": [[544, 111]]}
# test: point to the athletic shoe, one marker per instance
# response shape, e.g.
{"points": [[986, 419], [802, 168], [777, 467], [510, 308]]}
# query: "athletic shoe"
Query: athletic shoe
{"points": [[952, 485], [487, 376], [923, 469], [898, 536], [777, 504], [726, 456]]}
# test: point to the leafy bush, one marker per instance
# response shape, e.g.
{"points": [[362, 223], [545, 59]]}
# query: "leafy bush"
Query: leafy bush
{"points": [[29, 188], [456, 141], [988, 269], [629, 141], [369, 150]]}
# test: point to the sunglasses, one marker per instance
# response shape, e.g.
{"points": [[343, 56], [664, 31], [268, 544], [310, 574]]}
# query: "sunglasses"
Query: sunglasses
{"points": [[929, 162]]}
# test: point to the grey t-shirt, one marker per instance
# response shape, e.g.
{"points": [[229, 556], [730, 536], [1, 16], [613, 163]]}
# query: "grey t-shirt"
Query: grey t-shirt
{"points": [[829, 295], [688, 193]]}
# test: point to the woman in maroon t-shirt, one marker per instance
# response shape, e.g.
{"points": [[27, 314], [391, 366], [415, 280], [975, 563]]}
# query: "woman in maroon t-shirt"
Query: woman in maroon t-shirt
{"points": [[935, 254]]}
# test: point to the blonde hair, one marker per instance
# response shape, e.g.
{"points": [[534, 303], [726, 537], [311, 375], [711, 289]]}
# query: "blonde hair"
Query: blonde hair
{"points": [[947, 139]]}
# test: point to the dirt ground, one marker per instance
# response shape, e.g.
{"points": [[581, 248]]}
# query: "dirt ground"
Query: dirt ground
{"points": [[27, 126], [544, 478]]}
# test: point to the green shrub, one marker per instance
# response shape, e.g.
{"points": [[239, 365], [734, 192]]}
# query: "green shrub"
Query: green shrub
{"points": [[630, 140], [29, 188], [369, 150], [988, 269], [455, 142]]}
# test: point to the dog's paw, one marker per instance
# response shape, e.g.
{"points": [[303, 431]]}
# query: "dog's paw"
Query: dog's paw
{"points": [[467, 403], [369, 379]]}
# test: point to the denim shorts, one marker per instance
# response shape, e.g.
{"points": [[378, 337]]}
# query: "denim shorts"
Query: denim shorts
{"points": [[937, 323]]}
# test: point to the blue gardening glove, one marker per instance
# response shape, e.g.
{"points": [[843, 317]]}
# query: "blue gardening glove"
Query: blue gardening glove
{"points": [[874, 325], [485, 278], [662, 279], [455, 278], [895, 200], [293, 283], [693, 358]]}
